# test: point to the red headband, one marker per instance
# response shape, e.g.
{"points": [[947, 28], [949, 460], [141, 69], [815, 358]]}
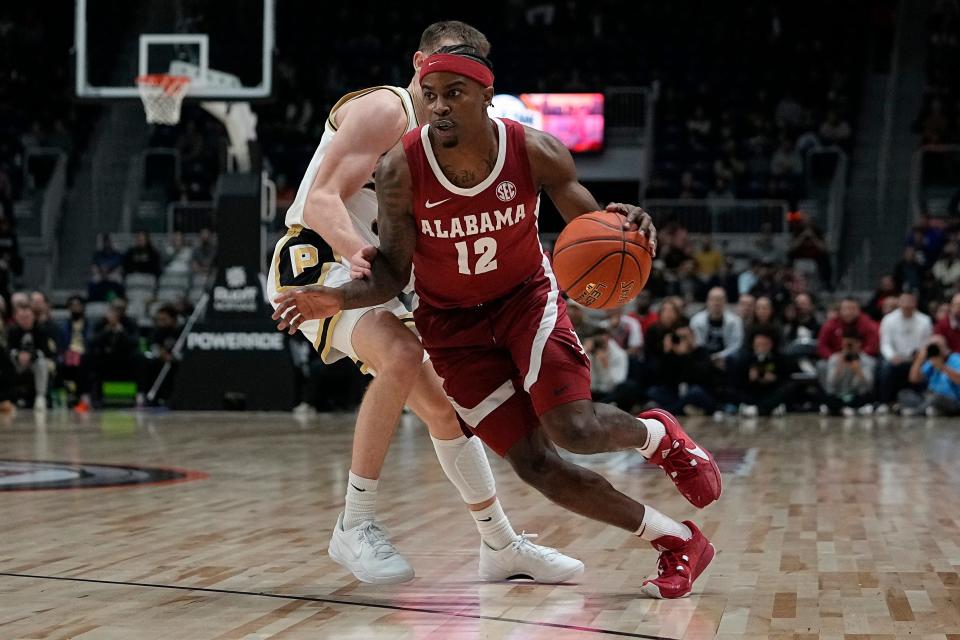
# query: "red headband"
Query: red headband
{"points": [[457, 64]]}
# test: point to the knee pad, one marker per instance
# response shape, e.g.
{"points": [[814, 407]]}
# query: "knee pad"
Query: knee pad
{"points": [[465, 463]]}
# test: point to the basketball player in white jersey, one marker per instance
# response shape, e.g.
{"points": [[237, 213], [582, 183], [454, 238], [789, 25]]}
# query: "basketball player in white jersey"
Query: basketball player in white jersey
{"points": [[331, 239]]}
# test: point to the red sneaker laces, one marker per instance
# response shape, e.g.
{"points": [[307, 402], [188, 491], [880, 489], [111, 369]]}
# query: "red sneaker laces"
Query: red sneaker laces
{"points": [[676, 463]]}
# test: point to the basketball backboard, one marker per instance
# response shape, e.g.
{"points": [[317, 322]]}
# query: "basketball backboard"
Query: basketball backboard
{"points": [[225, 46]]}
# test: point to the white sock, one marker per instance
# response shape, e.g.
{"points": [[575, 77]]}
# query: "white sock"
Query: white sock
{"points": [[655, 525], [361, 501], [494, 528], [655, 433]]}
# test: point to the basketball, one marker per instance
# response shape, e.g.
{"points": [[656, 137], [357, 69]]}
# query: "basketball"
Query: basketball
{"points": [[598, 264]]}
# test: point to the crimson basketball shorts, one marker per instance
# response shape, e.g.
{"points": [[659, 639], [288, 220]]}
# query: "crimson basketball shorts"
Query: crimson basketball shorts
{"points": [[507, 362]]}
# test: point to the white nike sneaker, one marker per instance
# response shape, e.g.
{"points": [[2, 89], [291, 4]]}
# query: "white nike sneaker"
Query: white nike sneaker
{"points": [[367, 553], [523, 559]]}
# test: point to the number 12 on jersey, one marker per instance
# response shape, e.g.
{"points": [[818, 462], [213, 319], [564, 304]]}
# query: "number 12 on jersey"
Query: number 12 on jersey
{"points": [[485, 248]]}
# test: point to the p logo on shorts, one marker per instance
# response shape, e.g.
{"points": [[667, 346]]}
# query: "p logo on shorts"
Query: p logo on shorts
{"points": [[303, 257]]}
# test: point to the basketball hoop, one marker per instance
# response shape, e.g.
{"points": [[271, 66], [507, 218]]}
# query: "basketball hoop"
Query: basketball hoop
{"points": [[162, 95]]}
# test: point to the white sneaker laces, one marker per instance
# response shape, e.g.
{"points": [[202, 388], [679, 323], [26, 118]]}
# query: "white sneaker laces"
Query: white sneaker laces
{"points": [[375, 535], [522, 544]]}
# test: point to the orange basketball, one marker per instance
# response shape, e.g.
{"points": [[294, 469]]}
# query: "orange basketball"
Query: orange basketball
{"points": [[600, 265]]}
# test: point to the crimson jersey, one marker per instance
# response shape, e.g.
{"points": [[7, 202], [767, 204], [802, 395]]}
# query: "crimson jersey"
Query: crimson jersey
{"points": [[478, 244]]}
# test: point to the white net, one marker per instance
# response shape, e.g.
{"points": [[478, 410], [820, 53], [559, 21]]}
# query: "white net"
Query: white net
{"points": [[162, 95]]}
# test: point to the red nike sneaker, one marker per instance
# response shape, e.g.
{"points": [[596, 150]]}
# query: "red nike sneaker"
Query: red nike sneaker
{"points": [[681, 563], [691, 467]]}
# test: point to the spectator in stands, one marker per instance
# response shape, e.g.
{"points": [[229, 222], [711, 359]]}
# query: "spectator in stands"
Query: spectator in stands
{"points": [[204, 253], [626, 332], [41, 313], [765, 246], [765, 387], [717, 330], [103, 288], [676, 246], [609, 369], [748, 278], [928, 239], [765, 320], [75, 334], [835, 130], [34, 356], [903, 333], [807, 243], [939, 368], [643, 311], [850, 377], [683, 375], [908, 272], [177, 254], [886, 289], [709, 260], [107, 259], [684, 283], [850, 318], [725, 278], [166, 331], [746, 305], [786, 162], [769, 284], [668, 320], [115, 348], [946, 270], [804, 326], [142, 257], [949, 325]]}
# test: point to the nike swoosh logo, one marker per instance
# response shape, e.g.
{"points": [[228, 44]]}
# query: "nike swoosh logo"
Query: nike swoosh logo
{"points": [[357, 488], [697, 451], [431, 205], [488, 519]]}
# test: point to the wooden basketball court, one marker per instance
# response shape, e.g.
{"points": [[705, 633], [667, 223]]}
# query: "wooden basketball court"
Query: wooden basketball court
{"points": [[827, 528]]}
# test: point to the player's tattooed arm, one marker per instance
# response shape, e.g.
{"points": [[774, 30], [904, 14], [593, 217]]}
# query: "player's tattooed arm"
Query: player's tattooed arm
{"points": [[390, 265], [554, 171], [397, 229]]}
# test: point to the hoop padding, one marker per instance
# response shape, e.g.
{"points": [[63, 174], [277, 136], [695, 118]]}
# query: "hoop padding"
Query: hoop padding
{"points": [[162, 96]]}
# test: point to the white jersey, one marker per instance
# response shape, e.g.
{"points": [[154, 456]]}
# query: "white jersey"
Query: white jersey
{"points": [[362, 206]]}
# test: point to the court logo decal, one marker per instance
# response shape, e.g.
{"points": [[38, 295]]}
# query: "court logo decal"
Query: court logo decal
{"points": [[37, 475]]}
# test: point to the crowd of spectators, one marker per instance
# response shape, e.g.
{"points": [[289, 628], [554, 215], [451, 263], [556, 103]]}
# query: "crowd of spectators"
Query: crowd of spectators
{"points": [[65, 362], [110, 268], [764, 342]]}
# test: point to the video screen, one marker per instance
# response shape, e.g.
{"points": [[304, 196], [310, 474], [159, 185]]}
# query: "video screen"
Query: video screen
{"points": [[576, 119]]}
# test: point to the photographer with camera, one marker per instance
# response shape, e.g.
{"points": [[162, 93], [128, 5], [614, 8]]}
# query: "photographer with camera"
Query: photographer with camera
{"points": [[609, 368], [939, 369], [849, 378], [683, 375]]}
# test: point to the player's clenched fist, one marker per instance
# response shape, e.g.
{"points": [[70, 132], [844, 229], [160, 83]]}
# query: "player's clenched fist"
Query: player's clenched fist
{"points": [[296, 306]]}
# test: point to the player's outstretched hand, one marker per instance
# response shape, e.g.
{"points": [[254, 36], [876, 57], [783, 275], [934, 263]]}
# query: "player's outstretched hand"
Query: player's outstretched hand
{"points": [[361, 262], [637, 220], [313, 302]]}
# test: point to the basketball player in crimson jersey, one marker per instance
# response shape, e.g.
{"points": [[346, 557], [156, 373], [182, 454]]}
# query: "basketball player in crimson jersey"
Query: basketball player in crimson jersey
{"points": [[459, 201], [332, 218]]}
